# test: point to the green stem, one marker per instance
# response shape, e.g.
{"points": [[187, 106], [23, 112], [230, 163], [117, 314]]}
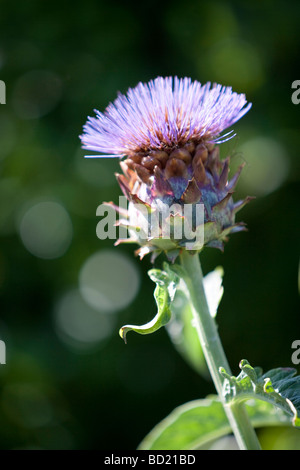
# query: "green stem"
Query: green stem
{"points": [[214, 353]]}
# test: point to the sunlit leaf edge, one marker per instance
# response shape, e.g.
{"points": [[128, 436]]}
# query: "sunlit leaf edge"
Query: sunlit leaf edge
{"points": [[261, 414]]}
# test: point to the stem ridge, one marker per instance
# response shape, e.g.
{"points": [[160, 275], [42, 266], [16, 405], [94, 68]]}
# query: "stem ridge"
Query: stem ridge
{"points": [[213, 351]]}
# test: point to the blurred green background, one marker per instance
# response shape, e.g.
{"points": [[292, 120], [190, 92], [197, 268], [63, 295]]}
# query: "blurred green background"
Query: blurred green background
{"points": [[70, 382]]}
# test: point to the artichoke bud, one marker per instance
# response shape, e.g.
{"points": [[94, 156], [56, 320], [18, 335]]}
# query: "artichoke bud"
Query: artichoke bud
{"points": [[179, 199], [166, 133]]}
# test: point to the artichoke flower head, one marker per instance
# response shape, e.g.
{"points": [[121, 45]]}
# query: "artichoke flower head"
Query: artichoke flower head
{"points": [[167, 134]]}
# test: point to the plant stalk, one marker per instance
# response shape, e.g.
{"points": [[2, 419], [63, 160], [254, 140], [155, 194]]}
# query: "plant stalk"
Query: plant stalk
{"points": [[214, 353]]}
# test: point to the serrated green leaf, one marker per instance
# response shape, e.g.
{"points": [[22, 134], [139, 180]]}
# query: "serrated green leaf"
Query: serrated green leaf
{"points": [[279, 387], [166, 282], [199, 422]]}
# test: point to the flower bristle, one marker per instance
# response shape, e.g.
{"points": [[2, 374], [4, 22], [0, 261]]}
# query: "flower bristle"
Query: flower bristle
{"points": [[163, 114]]}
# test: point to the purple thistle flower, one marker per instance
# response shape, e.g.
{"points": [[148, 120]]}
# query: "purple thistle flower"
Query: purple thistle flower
{"points": [[162, 114], [167, 130]]}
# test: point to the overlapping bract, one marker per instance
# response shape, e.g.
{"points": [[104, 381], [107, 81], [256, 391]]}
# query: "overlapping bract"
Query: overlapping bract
{"points": [[204, 180]]}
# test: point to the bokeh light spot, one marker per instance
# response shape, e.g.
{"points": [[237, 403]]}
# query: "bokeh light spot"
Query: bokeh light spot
{"points": [[109, 281], [46, 230], [266, 168], [79, 325]]}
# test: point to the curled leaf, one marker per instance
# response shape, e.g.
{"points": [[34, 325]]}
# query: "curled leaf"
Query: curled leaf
{"points": [[166, 282]]}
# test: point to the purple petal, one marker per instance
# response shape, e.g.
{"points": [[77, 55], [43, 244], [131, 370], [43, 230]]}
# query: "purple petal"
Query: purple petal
{"points": [[165, 112]]}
